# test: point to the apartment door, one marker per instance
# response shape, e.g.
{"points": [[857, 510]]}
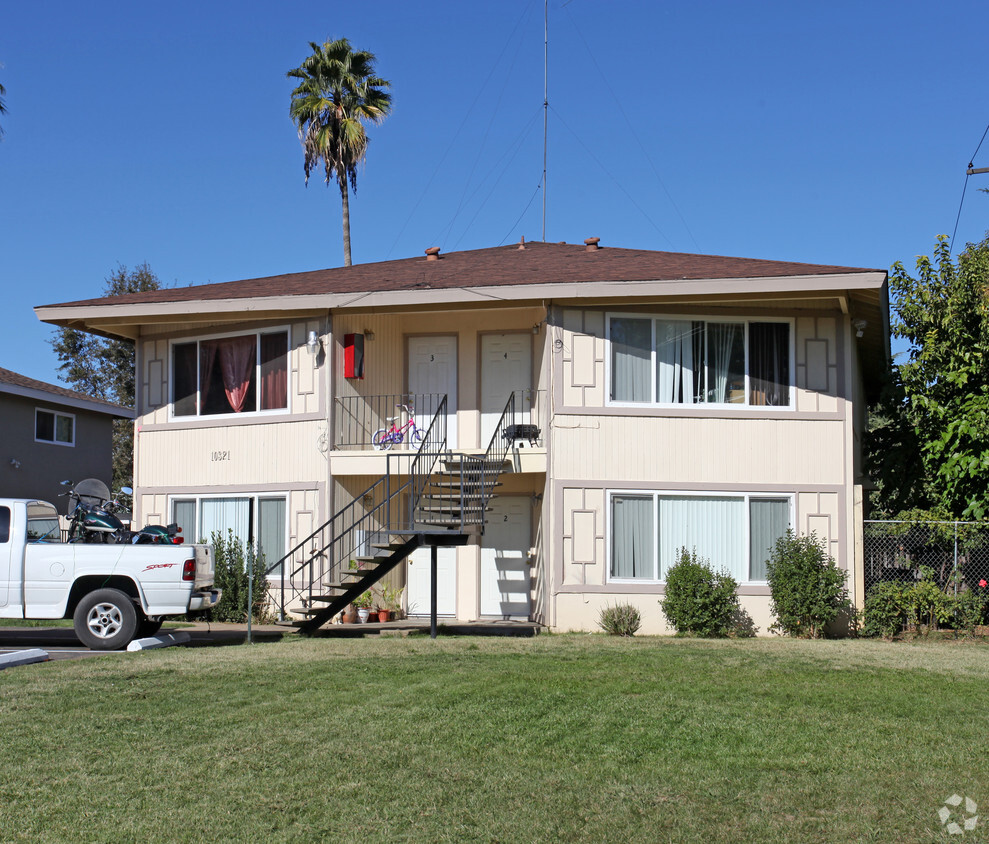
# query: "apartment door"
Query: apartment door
{"points": [[418, 581], [506, 367], [433, 369], [505, 580]]}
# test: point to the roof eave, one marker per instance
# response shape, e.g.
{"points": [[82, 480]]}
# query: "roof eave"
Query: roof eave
{"points": [[124, 320]]}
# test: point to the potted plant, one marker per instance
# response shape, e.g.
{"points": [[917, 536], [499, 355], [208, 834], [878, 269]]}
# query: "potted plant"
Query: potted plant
{"points": [[364, 602], [389, 602]]}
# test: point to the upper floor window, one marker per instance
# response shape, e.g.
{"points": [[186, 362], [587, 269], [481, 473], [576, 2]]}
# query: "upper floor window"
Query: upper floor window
{"points": [[696, 361], [50, 426], [241, 374]]}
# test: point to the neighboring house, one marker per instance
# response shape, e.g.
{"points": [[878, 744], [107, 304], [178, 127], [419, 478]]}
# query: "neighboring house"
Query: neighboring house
{"points": [[681, 400], [50, 434]]}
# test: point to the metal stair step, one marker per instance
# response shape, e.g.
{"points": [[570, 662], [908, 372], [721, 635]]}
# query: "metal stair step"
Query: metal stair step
{"points": [[325, 599], [448, 522]]}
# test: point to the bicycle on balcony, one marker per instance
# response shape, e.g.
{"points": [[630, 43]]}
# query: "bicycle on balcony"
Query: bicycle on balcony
{"points": [[385, 438]]}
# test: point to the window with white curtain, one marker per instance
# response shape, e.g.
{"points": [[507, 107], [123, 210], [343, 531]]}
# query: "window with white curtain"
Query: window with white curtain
{"points": [[259, 520], [679, 361], [735, 533]]}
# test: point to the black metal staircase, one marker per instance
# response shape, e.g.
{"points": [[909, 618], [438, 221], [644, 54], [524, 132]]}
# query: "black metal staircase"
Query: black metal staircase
{"points": [[428, 497]]}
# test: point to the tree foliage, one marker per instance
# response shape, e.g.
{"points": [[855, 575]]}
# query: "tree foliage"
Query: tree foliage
{"points": [[338, 93], [929, 443], [104, 368]]}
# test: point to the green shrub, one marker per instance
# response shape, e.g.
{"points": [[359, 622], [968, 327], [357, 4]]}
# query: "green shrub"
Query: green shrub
{"points": [[234, 565], [807, 587], [698, 600], [620, 620], [927, 602], [887, 609], [891, 607], [970, 609]]}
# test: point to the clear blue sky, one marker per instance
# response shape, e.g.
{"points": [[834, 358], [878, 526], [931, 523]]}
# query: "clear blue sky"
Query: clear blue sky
{"points": [[828, 132]]}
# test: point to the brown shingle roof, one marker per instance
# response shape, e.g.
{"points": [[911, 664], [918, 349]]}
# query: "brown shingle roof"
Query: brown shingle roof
{"points": [[538, 263], [16, 380]]}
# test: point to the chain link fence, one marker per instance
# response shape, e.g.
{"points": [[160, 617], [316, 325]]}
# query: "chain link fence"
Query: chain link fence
{"points": [[955, 555]]}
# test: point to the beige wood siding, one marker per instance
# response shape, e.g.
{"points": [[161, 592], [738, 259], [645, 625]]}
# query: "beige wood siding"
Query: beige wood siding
{"points": [[236, 455], [692, 450]]}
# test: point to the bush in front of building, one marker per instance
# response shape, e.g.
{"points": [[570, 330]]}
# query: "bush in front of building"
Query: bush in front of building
{"points": [[807, 587], [236, 563], [700, 601], [620, 620]]}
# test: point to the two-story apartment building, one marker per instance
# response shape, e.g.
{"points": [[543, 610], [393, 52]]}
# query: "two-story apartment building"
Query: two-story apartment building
{"points": [[680, 400]]}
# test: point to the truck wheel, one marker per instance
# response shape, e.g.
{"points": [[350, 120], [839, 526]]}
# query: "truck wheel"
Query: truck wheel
{"points": [[146, 627], [105, 620]]}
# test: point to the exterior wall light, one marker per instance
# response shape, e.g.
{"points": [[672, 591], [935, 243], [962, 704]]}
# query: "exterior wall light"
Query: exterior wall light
{"points": [[313, 343]]}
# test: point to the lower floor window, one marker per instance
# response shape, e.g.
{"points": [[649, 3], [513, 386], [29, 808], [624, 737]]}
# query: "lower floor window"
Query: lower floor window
{"points": [[254, 520], [735, 533]]}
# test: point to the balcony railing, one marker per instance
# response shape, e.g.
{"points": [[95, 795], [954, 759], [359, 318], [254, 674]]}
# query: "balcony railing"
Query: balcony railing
{"points": [[358, 418]]}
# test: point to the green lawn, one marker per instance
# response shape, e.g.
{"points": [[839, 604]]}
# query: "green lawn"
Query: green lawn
{"points": [[558, 738]]}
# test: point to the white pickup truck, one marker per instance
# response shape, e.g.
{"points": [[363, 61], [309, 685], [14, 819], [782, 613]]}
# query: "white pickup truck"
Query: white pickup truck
{"points": [[113, 593]]}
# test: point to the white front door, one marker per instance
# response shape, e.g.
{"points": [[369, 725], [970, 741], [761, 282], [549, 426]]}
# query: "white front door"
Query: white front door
{"points": [[418, 566], [433, 369], [506, 367], [505, 583]]}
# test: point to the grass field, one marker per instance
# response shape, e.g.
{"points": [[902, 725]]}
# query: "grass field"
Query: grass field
{"points": [[558, 738]]}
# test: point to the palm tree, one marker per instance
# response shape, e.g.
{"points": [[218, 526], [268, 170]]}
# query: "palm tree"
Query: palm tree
{"points": [[338, 93]]}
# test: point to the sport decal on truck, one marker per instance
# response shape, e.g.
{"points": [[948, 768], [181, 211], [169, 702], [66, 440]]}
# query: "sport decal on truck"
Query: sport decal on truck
{"points": [[158, 566]]}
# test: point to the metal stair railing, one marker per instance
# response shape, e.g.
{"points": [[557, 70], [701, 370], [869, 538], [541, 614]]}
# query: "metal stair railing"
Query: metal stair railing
{"points": [[371, 518], [493, 462]]}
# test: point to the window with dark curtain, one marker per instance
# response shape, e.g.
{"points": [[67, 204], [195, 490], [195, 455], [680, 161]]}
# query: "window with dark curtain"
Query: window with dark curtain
{"points": [[5, 524], [184, 379], [226, 375], [221, 376], [274, 371], [769, 364]]}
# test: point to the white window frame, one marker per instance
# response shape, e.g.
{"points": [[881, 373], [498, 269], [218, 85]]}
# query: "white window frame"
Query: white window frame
{"points": [[705, 318], [656, 495], [55, 414], [255, 513], [257, 332]]}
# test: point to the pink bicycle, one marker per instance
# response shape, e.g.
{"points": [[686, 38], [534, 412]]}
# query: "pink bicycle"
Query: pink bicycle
{"points": [[385, 438]]}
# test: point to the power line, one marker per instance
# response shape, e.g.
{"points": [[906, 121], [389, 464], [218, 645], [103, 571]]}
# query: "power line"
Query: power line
{"points": [[969, 172]]}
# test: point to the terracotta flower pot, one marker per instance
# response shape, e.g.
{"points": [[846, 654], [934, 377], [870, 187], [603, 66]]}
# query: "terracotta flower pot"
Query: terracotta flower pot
{"points": [[372, 617], [350, 614], [384, 615]]}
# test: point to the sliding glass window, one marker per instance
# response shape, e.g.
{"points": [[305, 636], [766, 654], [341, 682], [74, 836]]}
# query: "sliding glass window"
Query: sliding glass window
{"points": [[734, 533], [665, 361]]}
